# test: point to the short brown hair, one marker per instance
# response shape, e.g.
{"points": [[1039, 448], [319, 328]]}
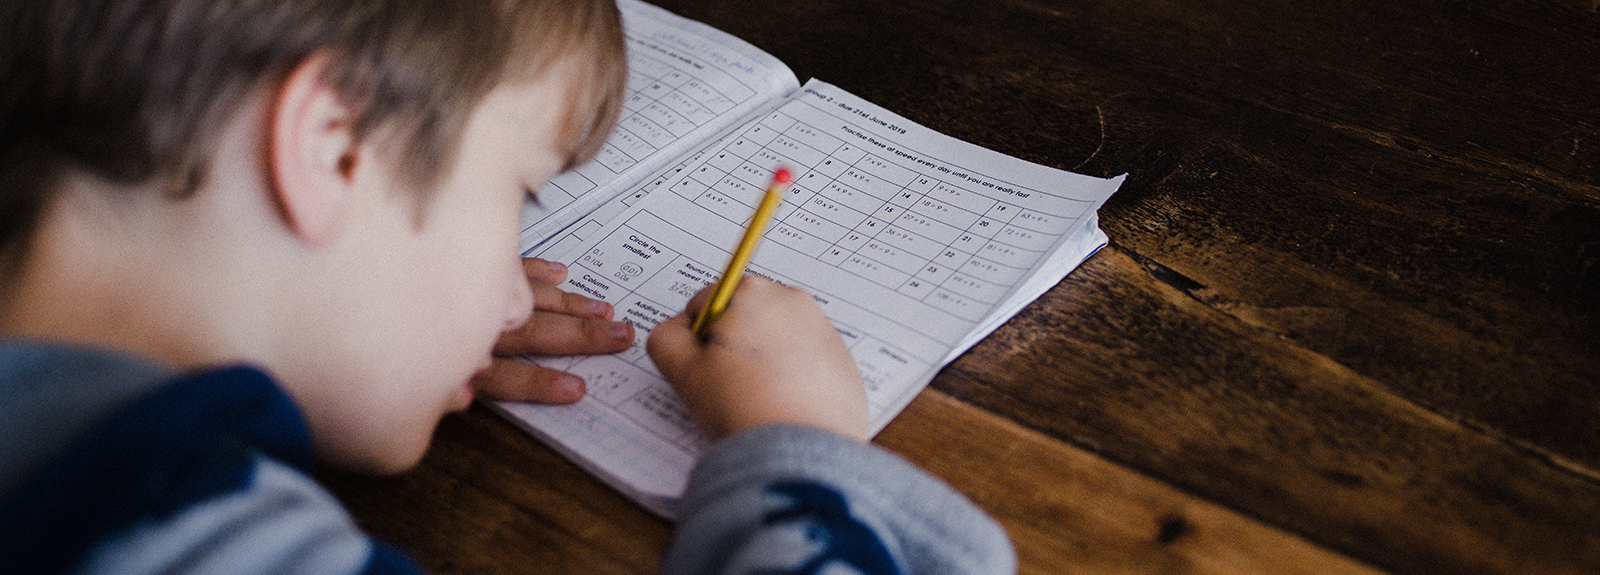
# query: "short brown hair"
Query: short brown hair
{"points": [[133, 91]]}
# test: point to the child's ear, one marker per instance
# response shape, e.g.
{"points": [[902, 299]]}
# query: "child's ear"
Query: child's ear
{"points": [[312, 153]]}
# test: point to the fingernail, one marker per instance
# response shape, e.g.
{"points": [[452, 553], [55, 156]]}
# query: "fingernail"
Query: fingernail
{"points": [[620, 330], [556, 267], [599, 308], [571, 385]]}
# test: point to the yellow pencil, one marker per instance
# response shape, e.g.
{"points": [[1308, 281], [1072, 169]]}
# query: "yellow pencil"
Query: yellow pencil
{"points": [[722, 293]]}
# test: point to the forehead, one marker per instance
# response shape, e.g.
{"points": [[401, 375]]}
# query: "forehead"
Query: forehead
{"points": [[562, 93], [529, 118], [587, 35]]}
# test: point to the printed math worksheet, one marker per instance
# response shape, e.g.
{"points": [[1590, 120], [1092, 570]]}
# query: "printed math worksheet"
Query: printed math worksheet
{"points": [[915, 245]]}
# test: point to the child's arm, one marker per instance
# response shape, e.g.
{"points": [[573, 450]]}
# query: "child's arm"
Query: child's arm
{"points": [[562, 323], [791, 485]]}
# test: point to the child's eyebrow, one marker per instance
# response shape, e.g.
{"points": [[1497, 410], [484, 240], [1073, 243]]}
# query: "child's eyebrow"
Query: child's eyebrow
{"points": [[573, 159], [533, 196]]}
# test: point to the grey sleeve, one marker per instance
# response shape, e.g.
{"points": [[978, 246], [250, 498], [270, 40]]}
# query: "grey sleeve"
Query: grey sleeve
{"points": [[792, 499], [283, 522]]}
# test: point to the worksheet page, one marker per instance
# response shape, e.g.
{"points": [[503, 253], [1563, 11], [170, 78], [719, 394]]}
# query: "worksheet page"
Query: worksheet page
{"points": [[914, 244], [687, 82]]}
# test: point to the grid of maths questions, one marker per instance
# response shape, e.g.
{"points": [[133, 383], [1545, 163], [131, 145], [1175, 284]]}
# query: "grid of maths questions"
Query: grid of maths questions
{"points": [[664, 103], [952, 247]]}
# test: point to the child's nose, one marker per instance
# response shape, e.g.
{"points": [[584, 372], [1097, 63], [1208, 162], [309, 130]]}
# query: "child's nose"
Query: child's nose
{"points": [[521, 304]]}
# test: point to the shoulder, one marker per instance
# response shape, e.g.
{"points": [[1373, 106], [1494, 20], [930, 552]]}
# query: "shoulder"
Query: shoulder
{"points": [[200, 473], [50, 393]]}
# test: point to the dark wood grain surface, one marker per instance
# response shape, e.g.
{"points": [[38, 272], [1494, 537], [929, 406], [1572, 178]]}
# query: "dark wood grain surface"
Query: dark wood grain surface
{"points": [[1349, 320]]}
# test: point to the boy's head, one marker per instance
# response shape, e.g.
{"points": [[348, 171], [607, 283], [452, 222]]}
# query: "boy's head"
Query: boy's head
{"points": [[395, 259], [133, 91]]}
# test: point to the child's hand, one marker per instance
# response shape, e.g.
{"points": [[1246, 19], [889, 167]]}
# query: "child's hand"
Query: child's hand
{"points": [[771, 357], [562, 323]]}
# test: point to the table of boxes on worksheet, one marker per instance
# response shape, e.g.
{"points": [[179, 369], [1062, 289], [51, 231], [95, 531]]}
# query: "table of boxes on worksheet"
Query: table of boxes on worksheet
{"points": [[664, 106], [904, 258], [928, 240]]}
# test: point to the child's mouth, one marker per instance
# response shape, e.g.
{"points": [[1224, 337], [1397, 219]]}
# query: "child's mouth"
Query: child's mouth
{"points": [[465, 396]]}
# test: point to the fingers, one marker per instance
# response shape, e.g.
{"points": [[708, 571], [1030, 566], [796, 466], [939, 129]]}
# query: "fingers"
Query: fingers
{"points": [[563, 323], [759, 305], [544, 271], [698, 302], [514, 380], [549, 298], [771, 357], [672, 343], [552, 333]]}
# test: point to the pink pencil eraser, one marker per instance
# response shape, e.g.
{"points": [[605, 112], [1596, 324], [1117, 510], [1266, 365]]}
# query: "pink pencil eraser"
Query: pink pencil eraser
{"points": [[782, 176]]}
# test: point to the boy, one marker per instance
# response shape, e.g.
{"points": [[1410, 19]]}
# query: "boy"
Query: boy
{"points": [[239, 237]]}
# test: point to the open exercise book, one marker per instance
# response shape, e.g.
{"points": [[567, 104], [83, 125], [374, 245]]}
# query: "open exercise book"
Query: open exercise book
{"points": [[916, 245]]}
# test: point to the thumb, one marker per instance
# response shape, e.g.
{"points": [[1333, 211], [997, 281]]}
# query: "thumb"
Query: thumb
{"points": [[672, 343]]}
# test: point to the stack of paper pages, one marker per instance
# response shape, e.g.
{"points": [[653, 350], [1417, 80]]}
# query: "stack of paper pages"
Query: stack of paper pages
{"points": [[916, 245]]}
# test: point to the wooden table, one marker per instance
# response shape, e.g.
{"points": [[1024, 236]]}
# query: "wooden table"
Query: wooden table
{"points": [[1349, 320]]}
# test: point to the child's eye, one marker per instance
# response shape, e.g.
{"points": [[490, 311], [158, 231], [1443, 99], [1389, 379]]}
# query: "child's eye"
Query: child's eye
{"points": [[533, 196]]}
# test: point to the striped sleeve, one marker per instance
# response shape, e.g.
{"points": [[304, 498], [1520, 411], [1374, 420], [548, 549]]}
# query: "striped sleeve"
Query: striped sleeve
{"points": [[206, 474]]}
